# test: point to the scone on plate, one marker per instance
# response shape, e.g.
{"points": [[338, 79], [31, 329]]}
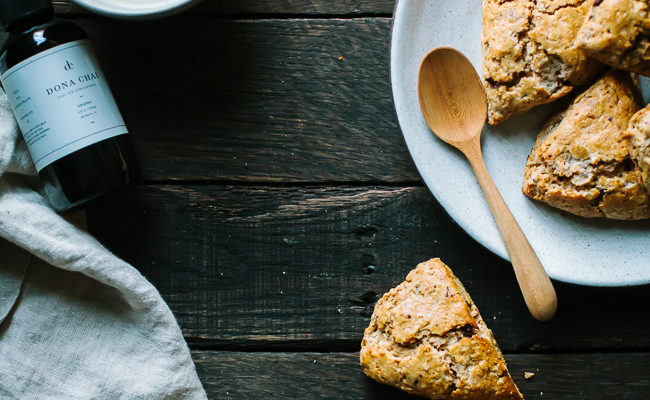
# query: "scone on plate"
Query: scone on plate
{"points": [[529, 55], [581, 162], [639, 144], [427, 337], [617, 32]]}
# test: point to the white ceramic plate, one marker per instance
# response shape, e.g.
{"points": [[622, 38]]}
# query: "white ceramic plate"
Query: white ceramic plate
{"points": [[135, 9], [572, 249]]}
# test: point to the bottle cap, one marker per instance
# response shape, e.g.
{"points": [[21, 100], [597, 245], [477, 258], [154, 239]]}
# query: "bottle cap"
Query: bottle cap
{"points": [[14, 11]]}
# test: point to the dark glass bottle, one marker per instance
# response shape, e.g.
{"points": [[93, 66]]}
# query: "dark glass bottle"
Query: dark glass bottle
{"points": [[90, 154]]}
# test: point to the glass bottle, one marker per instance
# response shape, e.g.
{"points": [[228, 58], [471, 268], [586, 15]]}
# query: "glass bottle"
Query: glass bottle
{"points": [[64, 107]]}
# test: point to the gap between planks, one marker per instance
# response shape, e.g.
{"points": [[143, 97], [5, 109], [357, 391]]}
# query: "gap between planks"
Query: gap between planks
{"points": [[280, 345], [288, 185]]}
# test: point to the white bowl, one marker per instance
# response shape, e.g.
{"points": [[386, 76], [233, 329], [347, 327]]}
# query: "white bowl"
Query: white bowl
{"points": [[136, 9]]}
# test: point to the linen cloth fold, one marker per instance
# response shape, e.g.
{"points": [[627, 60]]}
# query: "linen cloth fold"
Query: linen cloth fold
{"points": [[76, 322]]}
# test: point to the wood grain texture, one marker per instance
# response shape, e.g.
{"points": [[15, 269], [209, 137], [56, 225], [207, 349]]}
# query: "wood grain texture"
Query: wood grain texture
{"points": [[272, 7], [262, 100], [301, 267], [338, 376]]}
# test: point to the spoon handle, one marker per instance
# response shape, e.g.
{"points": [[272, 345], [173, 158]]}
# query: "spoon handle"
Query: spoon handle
{"points": [[535, 284]]}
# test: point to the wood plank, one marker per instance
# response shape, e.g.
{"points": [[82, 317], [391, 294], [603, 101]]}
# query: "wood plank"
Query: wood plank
{"points": [[337, 375], [263, 100], [271, 7], [301, 267]]}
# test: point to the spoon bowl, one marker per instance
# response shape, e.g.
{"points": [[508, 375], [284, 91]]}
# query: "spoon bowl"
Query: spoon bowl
{"points": [[451, 95], [454, 105]]}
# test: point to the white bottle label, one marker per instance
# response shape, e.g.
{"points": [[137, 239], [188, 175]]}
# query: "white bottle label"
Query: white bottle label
{"points": [[62, 102]]}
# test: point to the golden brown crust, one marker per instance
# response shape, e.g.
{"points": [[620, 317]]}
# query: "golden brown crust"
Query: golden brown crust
{"points": [[529, 56], [617, 32], [427, 337], [639, 145], [581, 162]]}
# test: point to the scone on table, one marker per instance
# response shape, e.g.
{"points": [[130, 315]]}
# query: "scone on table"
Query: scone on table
{"points": [[427, 337], [617, 32], [529, 54], [581, 161]]}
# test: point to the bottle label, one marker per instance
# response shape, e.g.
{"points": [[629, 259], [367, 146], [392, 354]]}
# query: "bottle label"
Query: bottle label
{"points": [[62, 102]]}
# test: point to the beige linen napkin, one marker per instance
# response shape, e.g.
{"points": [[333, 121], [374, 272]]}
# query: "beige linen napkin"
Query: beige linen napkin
{"points": [[76, 322]]}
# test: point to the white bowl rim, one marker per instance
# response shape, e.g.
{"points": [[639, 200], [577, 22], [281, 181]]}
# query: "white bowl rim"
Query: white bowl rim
{"points": [[104, 7]]}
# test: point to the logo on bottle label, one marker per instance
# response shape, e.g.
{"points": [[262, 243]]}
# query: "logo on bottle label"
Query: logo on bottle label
{"points": [[62, 102]]}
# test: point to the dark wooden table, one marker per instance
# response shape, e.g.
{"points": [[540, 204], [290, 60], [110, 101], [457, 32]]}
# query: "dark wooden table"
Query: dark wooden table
{"points": [[279, 202]]}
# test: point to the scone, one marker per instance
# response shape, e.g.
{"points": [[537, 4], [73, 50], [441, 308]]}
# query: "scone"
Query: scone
{"points": [[581, 162], [427, 337], [639, 145], [529, 55], [617, 32]]}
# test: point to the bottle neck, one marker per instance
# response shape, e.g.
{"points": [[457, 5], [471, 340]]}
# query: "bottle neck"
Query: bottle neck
{"points": [[29, 22]]}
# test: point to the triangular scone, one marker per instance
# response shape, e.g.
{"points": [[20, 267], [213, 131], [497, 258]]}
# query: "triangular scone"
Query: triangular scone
{"points": [[639, 146], [427, 337], [617, 32], [529, 56], [581, 162]]}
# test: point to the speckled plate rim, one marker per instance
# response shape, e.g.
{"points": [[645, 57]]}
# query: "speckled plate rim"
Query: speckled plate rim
{"points": [[624, 245]]}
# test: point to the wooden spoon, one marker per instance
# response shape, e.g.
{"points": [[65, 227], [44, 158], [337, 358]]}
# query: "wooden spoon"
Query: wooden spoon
{"points": [[454, 105]]}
